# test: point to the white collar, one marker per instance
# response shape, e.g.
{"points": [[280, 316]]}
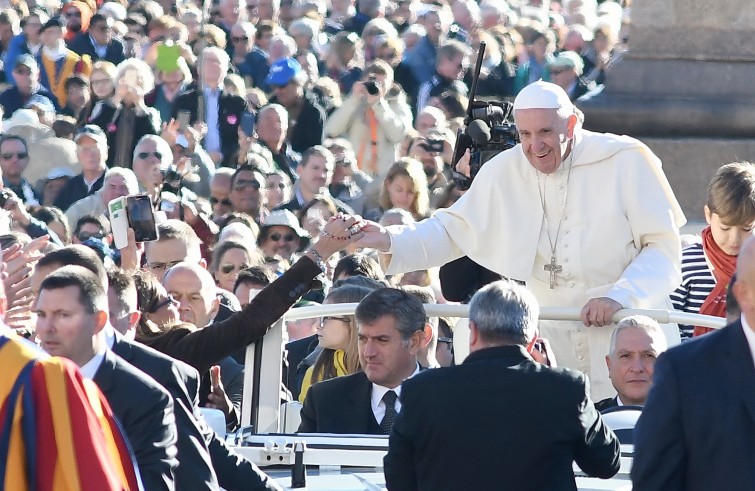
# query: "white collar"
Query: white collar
{"points": [[750, 336], [89, 369], [378, 391]]}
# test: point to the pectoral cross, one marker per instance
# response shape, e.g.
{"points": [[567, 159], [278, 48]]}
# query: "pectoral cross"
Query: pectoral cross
{"points": [[552, 268]]}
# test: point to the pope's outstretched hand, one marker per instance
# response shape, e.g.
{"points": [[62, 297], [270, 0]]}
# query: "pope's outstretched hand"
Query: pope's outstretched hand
{"points": [[374, 236]]}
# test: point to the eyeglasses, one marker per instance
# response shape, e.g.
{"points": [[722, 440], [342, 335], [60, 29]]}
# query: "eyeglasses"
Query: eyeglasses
{"points": [[446, 340], [328, 317], [225, 202], [242, 39], [162, 266], [228, 268], [244, 183], [146, 155], [169, 300], [275, 237], [556, 72], [279, 185], [10, 155]]}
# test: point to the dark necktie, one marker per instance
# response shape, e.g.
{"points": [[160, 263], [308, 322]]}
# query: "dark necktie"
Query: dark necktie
{"points": [[390, 412]]}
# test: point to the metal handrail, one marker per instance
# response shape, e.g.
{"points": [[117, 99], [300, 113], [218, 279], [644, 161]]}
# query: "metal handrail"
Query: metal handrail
{"points": [[546, 313]]}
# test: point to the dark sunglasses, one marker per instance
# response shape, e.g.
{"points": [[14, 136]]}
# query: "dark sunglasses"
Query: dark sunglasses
{"points": [[243, 184], [84, 236], [239, 39], [275, 237], [169, 300], [227, 268], [20, 155], [146, 155], [446, 340], [214, 201]]}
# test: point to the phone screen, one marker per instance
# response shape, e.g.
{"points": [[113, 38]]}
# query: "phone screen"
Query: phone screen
{"points": [[183, 119], [247, 123], [141, 218]]}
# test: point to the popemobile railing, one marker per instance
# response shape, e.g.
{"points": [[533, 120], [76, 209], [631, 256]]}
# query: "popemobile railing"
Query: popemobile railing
{"points": [[266, 437]]}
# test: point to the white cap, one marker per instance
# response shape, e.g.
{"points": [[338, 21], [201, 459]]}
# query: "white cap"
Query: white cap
{"points": [[542, 95]]}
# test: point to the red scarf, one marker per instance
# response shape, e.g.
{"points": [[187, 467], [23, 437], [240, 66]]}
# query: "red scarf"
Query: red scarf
{"points": [[723, 269]]}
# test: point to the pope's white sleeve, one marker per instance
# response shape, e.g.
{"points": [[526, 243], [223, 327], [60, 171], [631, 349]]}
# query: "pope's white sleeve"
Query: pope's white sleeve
{"points": [[655, 217], [420, 246]]}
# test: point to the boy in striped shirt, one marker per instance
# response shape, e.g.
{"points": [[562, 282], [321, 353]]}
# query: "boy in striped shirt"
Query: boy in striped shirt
{"points": [[707, 267]]}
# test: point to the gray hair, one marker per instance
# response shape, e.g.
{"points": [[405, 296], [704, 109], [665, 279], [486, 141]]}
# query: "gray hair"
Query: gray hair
{"points": [[650, 326], [132, 183], [280, 110], [505, 311], [160, 145], [304, 27], [146, 79], [406, 309]]}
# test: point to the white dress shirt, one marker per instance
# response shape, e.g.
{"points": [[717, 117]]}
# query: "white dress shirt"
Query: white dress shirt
{"points": [[378, 391], [212, 115], [89, 368]]}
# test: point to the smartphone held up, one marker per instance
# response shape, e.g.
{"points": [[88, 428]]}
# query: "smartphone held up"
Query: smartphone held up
{"points": [[135, 212]]}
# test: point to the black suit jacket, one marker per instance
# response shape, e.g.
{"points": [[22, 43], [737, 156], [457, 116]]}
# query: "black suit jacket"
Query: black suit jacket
{"points": [[697, 430], [230, 107], [296, 351], [145, 411], [606, 404], [530, 422], [340, 405], [308, 129], [82, 45], [182, 382]]}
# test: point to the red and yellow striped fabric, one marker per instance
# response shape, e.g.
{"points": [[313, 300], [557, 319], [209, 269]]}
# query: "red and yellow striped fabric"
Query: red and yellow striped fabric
{"points": [[57, 431]]}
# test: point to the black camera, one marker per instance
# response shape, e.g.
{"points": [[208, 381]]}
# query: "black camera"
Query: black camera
{"points": [[5, 195], [489, 131], [371, 85], [172, 180]]}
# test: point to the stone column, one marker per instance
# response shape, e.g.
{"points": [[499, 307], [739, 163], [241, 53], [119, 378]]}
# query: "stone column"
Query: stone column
{"points": [[686, 87]]}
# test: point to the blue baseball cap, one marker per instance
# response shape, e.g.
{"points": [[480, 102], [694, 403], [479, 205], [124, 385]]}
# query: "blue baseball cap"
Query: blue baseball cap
{"points": [[282, 71]]}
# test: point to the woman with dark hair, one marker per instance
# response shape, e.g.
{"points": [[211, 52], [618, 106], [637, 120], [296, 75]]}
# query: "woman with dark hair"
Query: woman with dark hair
{"points": [[229, 258]]}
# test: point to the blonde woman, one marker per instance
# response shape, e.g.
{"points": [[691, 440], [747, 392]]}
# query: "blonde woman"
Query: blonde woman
{"points": [[404, 187], [337, 336]]}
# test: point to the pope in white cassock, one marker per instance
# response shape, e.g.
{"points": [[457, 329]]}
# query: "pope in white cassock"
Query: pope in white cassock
{"points": [[585, 219]]}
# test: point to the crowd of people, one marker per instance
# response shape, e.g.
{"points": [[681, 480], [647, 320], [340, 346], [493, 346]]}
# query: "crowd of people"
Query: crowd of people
{"points": [[299, 152]]}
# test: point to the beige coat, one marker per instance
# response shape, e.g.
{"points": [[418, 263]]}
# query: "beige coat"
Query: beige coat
{"points": [[619, 237], [394, 118]]}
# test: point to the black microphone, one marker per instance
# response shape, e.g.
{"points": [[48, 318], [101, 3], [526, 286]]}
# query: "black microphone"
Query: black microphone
{"points": [[478, 131]]}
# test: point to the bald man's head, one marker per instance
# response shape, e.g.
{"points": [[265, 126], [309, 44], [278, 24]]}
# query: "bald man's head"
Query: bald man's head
{"points": [[193, 287]]}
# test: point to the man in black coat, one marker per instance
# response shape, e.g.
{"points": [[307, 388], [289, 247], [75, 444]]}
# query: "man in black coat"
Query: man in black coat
{"points": [[212, 105], [71, 310], [528, 421], [91, 151], [697, 430], [98, 42], [390, 324]]}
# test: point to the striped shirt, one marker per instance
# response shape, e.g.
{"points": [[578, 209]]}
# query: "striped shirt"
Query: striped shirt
{"points": [[697, 284]]}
